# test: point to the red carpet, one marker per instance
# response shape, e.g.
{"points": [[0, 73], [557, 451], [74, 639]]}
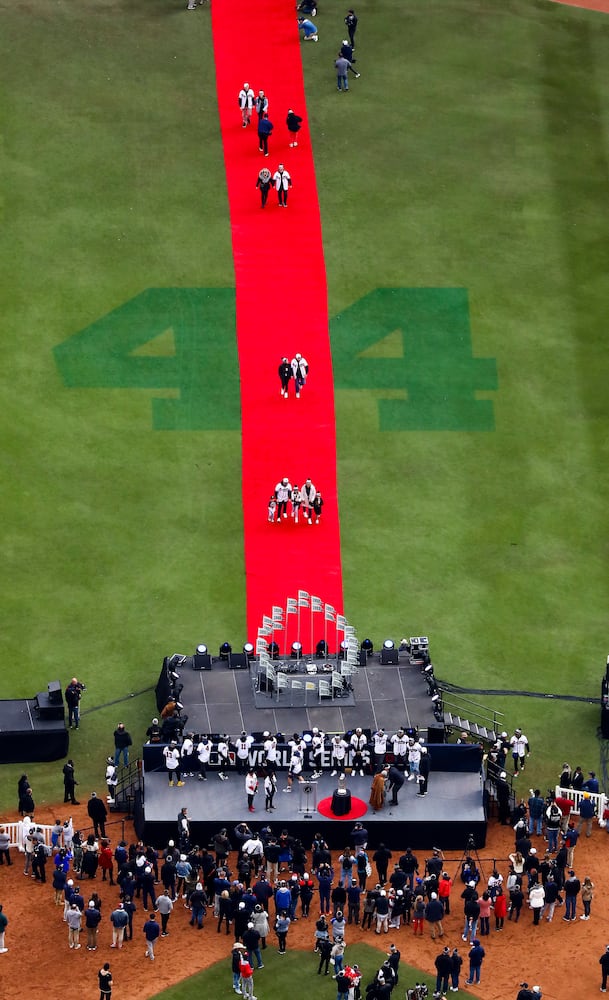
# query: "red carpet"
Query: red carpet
{"points": [[358, 809], [281, 309]]}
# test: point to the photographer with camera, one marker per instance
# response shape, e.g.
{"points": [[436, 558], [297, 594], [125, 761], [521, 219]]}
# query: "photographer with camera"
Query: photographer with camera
{"points": [[73, 694]]}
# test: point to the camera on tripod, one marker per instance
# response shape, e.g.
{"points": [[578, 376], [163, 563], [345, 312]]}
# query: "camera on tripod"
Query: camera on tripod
{"points": [[471, 843]]}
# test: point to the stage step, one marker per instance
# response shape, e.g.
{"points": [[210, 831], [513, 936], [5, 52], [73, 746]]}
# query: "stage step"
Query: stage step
{"points": [[473, 728]]}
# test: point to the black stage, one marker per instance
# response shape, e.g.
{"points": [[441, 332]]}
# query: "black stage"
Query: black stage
{"points": [[220, 700], [452, 809], [25, 736]]}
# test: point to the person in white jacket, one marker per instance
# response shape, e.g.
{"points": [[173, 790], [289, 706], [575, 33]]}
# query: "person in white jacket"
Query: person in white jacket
{"points": [[282, 181], [300, 370]]}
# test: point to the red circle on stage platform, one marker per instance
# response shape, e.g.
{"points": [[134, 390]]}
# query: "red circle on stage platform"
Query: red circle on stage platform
{"points": [[358, 808]]}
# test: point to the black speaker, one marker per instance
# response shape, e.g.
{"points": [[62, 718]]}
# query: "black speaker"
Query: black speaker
{"points": [[605, 723], [389, 656], [201, 661], [436, 734], [55, 695], [46, 709], [237, 661], [362, 658]]}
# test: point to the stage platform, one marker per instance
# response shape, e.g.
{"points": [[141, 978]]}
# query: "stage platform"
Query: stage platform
{"points": [[25, 737], [452, 809], [222, 700]]}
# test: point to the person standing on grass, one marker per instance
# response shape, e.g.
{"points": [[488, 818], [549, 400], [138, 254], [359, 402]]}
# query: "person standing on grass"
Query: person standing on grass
{"points": [[346, 51], [294, 123], [351, 25], [247, 976], [444, 966], [122, 742], [283, 182], [69, 782], [265, 128], [73, 694], [105, 982], [282, 926], [342, 66], [246, 104]]}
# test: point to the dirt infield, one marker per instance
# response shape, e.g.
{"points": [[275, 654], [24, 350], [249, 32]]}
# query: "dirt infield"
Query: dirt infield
{"points": [[562, 959]]}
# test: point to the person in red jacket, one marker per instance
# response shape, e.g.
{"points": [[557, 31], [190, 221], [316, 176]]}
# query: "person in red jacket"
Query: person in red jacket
{"points": [[500, 909], [444, 886], [106, 862]]}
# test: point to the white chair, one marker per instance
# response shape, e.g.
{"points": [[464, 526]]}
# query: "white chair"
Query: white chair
{"points": [[295, 686], [309, 686]]}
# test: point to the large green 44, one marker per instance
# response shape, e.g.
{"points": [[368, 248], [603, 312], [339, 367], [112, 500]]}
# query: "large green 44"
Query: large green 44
{"points": [[413, 340]]}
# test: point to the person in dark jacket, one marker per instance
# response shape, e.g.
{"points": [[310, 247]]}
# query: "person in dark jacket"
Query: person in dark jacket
{"points": [[395, 780], [572, 889], [98, 813], [293, 121], [285, 369], [381, 857], [122, 742], [444, 966], [265, 128], [26, 799], [604, 964], [73, 694], [151, 931], [424, 770], [346, 51], [324, 947], [455, 972], [69, 783], [476, 957], [434, 913]]}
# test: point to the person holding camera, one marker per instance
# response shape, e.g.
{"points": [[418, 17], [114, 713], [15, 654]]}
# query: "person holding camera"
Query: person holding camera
{"points": [[73, 695]]}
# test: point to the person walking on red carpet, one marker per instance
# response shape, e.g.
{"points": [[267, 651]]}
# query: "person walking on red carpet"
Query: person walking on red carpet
{"points": [[296, 502], [308, 496], [264, 183], [283, 182], [261, 104], [294, 123], [300, 370], [285, 369], [317, 507], [265, 128], [246, 104], [283, 491]]}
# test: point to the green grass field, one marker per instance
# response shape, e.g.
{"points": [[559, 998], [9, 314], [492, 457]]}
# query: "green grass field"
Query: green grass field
{"points": [[280, 975], [471, 154]]}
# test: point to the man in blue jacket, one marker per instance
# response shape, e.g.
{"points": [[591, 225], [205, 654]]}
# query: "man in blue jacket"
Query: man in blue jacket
{"points": [[265, 127]]}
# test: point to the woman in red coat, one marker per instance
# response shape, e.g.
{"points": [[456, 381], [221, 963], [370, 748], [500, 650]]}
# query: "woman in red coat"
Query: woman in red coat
{"points": [[500, 909], [106, 862]]}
